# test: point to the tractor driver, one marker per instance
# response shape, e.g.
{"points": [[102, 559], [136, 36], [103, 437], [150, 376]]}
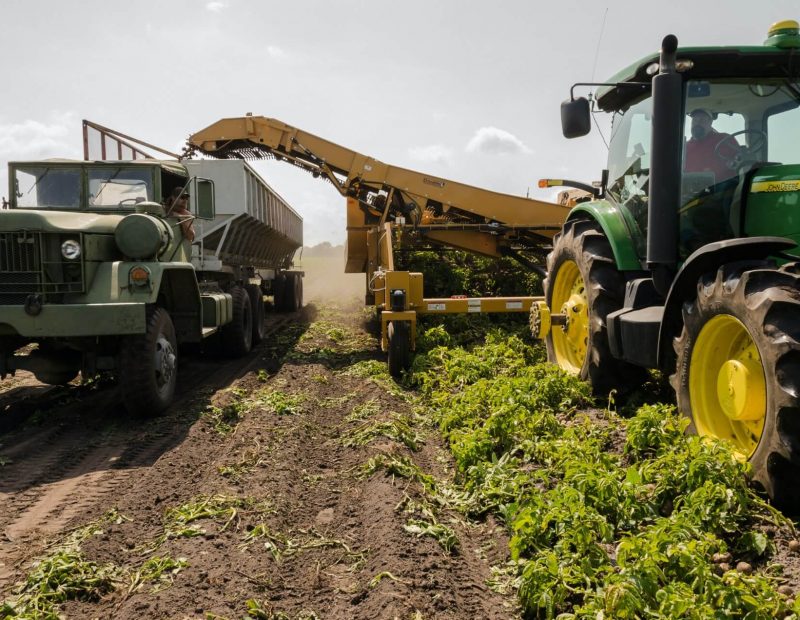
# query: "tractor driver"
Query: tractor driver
{"points": [[177, 204], [709, 150]]}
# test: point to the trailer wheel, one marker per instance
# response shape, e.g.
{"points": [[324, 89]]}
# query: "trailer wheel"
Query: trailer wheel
{"points": [[738, 370], [583, 282], [148, 366], [399, 347], [279, 292], [257, 306], [237, 336], [293, 293]]}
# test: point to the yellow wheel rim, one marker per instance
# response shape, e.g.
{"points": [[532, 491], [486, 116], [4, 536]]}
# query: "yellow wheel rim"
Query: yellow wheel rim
{"points": [[571, 340], [727, 389]]}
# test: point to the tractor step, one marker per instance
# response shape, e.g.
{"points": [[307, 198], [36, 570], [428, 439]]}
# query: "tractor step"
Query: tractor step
{"points": [[633, 335]]}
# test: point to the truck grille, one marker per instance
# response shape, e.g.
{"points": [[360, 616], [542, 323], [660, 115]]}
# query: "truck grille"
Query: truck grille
{"points": [[31, 262]]}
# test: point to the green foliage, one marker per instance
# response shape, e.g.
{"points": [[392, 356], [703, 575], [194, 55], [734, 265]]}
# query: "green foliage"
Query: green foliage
{"points": [[609, 518]]}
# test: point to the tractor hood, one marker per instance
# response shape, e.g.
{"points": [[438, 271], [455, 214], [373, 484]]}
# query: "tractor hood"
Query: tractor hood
{"points": [[773, 202], [58, 221]]}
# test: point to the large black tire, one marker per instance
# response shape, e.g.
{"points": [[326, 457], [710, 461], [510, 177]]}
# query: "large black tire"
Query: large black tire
{"points": [[55, 377], [279, 292], [765, 302], [257, 306], [399, 333], [237, 336], [293, 294], [583, 243], [148, 366]]}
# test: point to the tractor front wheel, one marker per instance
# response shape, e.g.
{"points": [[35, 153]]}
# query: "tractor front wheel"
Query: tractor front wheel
{"points": [[738, 370], [584, 284]]}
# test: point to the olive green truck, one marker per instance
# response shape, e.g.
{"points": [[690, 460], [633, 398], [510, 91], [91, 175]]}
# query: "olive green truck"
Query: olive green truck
{"points": [[101, 276]]}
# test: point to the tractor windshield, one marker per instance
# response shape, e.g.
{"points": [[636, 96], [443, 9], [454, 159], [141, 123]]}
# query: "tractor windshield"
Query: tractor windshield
{"points": [[629, 166], [731, 127]]}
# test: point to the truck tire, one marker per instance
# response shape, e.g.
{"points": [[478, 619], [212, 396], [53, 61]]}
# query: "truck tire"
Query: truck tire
{"points": [[237, 336], [293, 293], [148, 366], [279, 292], [257, 306], [399, 334], [738, 370], [583, 281]]}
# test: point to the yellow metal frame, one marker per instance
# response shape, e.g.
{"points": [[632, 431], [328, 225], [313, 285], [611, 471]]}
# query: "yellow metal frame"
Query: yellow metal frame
{"points": [[390, 207]]}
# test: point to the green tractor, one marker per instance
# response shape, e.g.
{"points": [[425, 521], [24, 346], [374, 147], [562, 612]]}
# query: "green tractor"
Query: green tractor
{"points": [[685, 257]]}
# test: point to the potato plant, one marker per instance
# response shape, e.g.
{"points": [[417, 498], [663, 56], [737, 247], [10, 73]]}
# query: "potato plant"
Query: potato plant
{"points": [[609, 518]]}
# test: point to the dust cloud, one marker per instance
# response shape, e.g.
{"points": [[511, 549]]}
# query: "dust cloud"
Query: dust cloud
{"points": [[325, 279]]}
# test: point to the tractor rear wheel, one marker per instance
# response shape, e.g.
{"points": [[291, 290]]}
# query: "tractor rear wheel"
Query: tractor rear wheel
{"points": [[399, 333], [738, 370], [583, 283]]}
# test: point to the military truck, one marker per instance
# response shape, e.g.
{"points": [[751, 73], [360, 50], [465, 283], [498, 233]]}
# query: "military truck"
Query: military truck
{"points": [[99, 274]]}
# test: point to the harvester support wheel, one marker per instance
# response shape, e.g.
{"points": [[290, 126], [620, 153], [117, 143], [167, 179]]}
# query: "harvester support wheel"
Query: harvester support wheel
{"points": [[584, 283], [148, 366], [257, 306], [237, 336], [738, 370], [399, 334]]}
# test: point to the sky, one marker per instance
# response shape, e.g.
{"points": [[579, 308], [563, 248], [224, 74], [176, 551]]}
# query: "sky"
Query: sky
{"points": [[461, 89]]}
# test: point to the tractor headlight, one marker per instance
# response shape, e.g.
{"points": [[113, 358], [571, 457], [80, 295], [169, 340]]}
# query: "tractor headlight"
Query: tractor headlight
{"points": [[71, 249]]}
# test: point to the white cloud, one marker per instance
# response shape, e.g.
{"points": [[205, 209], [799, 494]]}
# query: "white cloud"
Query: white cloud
{"points": [[58, 136], [494, 141], [216, 7], [432, 153], [275, 52]]}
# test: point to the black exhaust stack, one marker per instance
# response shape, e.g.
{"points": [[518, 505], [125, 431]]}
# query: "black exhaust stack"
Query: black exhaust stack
{"points": [[665, 169]]}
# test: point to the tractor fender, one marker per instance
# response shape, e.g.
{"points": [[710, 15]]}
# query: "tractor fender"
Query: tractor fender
{"points": [[704, 260], [616, 230]]}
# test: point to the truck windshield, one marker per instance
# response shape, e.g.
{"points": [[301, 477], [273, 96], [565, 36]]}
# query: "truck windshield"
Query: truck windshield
{"points": [[38, 187], [731, 126], [119, 187]]}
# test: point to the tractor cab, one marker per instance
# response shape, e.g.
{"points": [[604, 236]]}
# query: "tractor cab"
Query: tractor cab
{"points": [[686, 259]]}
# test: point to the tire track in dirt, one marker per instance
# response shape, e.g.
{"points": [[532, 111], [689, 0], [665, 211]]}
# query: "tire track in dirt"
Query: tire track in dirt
{"points": [[65, 469]]}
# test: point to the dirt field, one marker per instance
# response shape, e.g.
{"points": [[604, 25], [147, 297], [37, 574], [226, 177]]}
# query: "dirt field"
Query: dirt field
{"points": [[265, 492]]}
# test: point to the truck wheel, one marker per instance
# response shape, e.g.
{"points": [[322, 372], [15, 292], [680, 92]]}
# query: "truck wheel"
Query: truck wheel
{"points": [[257, 306], [148, 367], [279, 292], [738, 370], [293, 293], [237, 336], [583, 282], [399, 334]]}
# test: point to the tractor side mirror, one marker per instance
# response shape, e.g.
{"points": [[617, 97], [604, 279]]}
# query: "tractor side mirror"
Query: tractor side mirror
{"points": [[205, 199], [576, 121]]}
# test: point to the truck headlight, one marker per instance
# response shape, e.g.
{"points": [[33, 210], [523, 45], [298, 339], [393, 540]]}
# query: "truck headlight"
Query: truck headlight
{"points": [[71, 249]]}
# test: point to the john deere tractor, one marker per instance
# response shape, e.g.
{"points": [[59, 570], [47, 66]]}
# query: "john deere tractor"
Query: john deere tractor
{"points": [[685, 257]]}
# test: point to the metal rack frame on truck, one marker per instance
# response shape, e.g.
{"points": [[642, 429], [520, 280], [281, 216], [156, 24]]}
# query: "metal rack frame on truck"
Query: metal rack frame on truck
{"points": [[390, 208]]}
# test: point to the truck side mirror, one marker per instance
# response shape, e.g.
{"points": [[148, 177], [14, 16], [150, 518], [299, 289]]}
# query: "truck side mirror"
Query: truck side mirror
{"points": [[576, 120], [204, 208]]}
